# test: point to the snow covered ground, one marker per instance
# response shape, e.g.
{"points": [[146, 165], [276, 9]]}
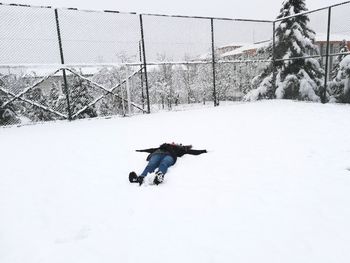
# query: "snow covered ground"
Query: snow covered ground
{"points": [[274, 187]]}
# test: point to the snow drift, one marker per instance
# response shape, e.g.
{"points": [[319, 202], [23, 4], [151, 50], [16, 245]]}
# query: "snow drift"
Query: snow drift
{"points": [[274, 187]]}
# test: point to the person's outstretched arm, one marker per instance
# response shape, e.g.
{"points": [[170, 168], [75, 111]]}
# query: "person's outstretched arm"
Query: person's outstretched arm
{"points": [[150, 150], [195, 152]]}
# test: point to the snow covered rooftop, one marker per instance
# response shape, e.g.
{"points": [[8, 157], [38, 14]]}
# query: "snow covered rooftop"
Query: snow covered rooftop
{"points": [[46, 71], [245, 48], [235, 44], [322, 37]]}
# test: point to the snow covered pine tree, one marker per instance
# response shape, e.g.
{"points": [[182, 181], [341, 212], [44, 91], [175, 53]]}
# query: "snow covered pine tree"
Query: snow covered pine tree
{"points": [[300, 79], [339, 87], [343, 48], [7, 114]]}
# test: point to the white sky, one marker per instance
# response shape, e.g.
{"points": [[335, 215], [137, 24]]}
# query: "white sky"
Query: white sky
{"points": [[253, 9]]}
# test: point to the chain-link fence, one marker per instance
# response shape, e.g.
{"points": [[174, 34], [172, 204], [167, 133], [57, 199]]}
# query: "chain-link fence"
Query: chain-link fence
{"points": [[238, 45], [330, 29], [58, 64]]}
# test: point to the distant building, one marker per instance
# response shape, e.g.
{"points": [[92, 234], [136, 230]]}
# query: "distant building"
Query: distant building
{"points": [[243, 51], [250, 51], [334, 42]]}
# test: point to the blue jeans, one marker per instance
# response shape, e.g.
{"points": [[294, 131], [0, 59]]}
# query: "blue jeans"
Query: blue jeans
{"points": [[161, 161]]}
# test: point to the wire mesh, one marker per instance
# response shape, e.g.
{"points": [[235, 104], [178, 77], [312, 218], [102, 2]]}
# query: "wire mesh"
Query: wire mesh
{"points": [[316, 21], [189, 59], [319, 24], [97, 37], [176, 38], [188, 40], [340, 28], [100, 92], [339, 44], [234, 80], [28, 35], [120, 90], [242, 52], [300, 62], [174, 85], [230, 34], [32, 96], [338, 73]]}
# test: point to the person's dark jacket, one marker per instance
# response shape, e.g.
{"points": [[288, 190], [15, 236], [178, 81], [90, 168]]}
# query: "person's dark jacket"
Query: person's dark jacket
{"points": [[173, 150]]}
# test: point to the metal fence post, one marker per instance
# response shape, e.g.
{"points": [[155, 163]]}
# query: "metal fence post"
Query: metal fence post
{"points": [[144, 64], [128, 95], [324, 92], [123, 100], [213, 61], [62, 62], [274, 55], [141, 76]]}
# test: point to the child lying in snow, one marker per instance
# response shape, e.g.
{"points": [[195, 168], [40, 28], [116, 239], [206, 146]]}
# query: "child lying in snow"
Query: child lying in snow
{"points": [[162, 158]]}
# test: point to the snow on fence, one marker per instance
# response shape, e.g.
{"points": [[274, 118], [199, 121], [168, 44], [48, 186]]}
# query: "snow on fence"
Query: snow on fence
{"points": [[68, 64]]}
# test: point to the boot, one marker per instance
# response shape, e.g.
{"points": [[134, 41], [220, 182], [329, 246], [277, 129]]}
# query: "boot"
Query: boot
{"points": [[132, 177], [140, 180], [159, 178]]}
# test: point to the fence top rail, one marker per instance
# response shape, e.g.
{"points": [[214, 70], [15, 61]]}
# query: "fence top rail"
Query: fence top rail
{"points": [[311, 11], [135, 13], [67, 8], [178, 16], [215, 18]]}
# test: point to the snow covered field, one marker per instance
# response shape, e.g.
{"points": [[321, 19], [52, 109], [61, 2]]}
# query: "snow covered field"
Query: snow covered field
{"points": [[274, 187]]}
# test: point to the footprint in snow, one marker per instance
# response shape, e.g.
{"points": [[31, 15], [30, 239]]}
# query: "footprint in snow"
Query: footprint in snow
{"points": [[83, 233]]}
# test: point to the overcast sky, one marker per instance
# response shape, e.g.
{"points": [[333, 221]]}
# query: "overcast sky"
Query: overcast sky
{"points": [[253, 9]]}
